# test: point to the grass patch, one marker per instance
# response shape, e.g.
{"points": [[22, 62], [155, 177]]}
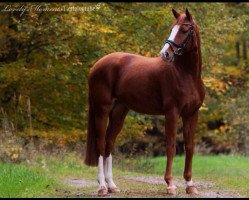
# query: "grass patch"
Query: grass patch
{"points": [[18, 181], [62, 166]]}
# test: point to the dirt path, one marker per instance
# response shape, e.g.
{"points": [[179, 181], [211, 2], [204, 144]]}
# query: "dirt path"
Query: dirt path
{"points": [[204, 187], [149, 186]]}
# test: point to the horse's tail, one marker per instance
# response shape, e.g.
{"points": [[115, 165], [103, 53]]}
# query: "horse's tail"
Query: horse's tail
{"points": [[92, 153]]}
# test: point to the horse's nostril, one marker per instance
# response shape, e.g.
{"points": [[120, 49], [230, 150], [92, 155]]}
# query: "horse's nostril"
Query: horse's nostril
{"points": [[166, 54]]}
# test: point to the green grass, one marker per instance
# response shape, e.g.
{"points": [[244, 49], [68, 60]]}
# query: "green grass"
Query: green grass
{"points": [[19, 181], [228, 172], [45, 175]]}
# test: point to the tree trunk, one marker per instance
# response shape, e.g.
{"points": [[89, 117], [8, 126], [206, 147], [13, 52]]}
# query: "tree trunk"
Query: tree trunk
{"points": [[244, 50], [237, 51], [7, 130], [29, 116]]}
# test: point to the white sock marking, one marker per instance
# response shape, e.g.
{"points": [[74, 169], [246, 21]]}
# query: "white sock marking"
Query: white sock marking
{"points": [[108, 172], [171, 187], [101, 175], [190, 183]]}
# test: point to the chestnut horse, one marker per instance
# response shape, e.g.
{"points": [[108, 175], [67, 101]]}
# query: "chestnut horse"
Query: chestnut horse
{"points": [[168, 85]]}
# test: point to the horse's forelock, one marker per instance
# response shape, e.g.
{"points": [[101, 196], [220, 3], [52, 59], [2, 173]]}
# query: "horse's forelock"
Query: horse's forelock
{"points": [[181, 19]]}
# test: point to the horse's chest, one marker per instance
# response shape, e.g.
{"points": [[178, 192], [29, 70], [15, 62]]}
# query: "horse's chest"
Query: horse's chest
{"points": [[190, 101]]}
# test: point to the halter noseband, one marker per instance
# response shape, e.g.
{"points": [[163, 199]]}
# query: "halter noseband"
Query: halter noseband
{"points": [[180, 47]]}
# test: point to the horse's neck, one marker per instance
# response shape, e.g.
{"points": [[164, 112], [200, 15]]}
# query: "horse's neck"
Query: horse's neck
{"points": [[190, 63]]}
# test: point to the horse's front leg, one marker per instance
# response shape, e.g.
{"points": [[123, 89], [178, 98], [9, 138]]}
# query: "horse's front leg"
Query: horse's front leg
{"points": [[170, 133], [189, 124]]}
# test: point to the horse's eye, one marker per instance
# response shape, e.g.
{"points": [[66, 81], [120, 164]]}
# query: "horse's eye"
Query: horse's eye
{"points": [[183, 31]]}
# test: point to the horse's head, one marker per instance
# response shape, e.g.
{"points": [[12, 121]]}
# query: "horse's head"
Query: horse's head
{"points": [[182, 36]]}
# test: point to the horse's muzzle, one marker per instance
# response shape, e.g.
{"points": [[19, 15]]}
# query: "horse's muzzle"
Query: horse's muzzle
{"points": [[166, 56]]}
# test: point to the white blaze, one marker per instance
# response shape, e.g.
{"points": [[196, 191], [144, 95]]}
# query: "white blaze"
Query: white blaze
{"points": [[171, 37]]}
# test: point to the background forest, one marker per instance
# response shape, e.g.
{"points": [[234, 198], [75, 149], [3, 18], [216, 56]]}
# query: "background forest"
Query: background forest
{"points": [[45, 57]]}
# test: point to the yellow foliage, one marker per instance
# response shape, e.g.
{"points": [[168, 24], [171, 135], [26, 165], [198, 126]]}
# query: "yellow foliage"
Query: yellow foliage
{"points": [[220, 40], [216, 131], [208, 81], [219, 87], [231, 38], [232, 70], [224, 128], [10, 151], [204, 107], [14, 156], [106, 30], [60, 138], [148, 54]]}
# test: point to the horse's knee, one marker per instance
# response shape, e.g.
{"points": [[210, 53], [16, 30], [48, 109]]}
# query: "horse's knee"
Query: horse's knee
{"points": [[189, 147], [171, 150]]}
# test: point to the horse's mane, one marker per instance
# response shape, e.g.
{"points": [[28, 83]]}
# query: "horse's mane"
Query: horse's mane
{"points": [[198, 49]]}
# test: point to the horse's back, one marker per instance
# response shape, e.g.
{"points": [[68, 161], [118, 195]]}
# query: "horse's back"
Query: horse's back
{"points": [[111, 67], [109, 61], [105, 69]]}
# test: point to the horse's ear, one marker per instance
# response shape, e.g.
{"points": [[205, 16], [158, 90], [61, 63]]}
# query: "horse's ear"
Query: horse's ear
{"points": [[189, 16], [175, 13]]}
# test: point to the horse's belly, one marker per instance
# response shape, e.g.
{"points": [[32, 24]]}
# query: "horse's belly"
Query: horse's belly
{"points": [[142, 103], [147, 110]]}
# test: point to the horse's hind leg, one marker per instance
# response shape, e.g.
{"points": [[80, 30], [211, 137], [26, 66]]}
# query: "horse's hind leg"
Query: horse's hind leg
{"points": [[116, 121], [101, 116]]}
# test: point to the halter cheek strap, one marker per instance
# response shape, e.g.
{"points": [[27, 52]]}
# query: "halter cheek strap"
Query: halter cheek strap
{"points": [[172, 42], [180, 47]]}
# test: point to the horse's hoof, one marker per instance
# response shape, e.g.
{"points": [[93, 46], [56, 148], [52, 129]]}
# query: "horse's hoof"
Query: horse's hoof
{"points": [[191, 190], [113, 190], [102, 191], [171, 190]]}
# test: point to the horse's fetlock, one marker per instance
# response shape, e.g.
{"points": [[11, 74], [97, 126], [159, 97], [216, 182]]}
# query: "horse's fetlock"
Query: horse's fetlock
{"points": [[168, 179], [187, 176]]}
